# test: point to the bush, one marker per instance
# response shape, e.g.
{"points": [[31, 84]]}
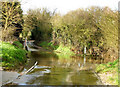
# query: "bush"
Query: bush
{"points": [[64, 51], [18, 44], [12, 55], [49, 45]]}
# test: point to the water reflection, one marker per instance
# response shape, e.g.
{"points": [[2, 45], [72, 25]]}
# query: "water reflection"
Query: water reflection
{"points": [[60, 76], [54, 70]]}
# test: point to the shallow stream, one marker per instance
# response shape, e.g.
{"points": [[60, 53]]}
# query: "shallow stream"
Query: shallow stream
{"points": [[53, 69]]}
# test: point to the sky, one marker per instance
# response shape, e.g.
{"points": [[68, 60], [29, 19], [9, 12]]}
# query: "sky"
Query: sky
{"points": [[64, 6]]}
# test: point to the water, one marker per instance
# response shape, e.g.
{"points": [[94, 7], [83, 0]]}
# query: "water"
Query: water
{"points": [[54, 69]]}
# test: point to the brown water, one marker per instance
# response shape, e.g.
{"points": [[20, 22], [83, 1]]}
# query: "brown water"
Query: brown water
{"points": [[56, 70]]}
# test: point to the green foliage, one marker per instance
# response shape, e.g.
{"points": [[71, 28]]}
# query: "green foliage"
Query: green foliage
{"points": [[92, 27], [43, 44], [12, 55], [109, 67], [38, 23], [64, 51], [18, 44], [61, 51], [49, 45]]}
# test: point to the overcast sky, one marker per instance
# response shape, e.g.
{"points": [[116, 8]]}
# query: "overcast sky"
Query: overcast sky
{"points": [[63, 6]]}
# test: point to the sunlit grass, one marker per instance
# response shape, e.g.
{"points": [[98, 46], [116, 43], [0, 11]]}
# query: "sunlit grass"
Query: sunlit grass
{"points": [[64, 52], [61, 50], [11, 55]]}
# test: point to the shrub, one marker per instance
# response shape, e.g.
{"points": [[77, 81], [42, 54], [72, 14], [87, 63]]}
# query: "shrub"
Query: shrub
{"points": [[64, 51], [18, 44], [12, 55], [47, 45]]}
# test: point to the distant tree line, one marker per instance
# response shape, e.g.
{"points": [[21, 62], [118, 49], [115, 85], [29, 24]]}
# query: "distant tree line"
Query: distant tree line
{"points": [[92, 28]]}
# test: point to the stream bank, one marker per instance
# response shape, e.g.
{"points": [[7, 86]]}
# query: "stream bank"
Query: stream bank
{"points": [[105, 77], [108, 72], [13, 56], [55, 70]]}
